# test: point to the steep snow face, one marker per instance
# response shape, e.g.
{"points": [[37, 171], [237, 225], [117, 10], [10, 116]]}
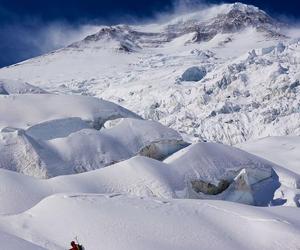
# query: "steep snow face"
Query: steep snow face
{"points": [[250, 89], [21, 153], [153, 224]]}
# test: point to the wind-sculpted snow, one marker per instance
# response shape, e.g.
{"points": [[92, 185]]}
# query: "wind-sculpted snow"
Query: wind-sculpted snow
{"points": [[146, 138]]}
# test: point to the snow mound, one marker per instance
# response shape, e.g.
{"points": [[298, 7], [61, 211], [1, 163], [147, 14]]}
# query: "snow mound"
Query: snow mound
{"points": [[8, 87], [193, 74], [88, 149], [212, 162], [23, 111], [170, 224]]}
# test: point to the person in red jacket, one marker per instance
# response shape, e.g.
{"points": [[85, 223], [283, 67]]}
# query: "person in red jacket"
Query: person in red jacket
{"points": [[75, 246]]}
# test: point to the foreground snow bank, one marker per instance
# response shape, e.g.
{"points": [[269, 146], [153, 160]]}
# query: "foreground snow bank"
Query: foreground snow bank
{"points": [[97, 220]]}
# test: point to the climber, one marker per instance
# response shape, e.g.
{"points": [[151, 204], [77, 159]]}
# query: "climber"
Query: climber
{"points": [[76, 246]]}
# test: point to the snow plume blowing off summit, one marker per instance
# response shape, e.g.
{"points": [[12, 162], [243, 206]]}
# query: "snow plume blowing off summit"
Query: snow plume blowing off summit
{"points": [[23, 38]]}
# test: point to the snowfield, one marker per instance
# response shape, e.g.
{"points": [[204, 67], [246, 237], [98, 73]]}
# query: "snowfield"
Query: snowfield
{"points": [[187, 137], [120, 222]]}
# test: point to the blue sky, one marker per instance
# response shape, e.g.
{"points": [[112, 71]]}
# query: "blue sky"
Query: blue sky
{"points": [[26, 26]]}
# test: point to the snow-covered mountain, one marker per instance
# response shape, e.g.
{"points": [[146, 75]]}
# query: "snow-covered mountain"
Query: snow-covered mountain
{"points": [[117, 139], [248, 86]]}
